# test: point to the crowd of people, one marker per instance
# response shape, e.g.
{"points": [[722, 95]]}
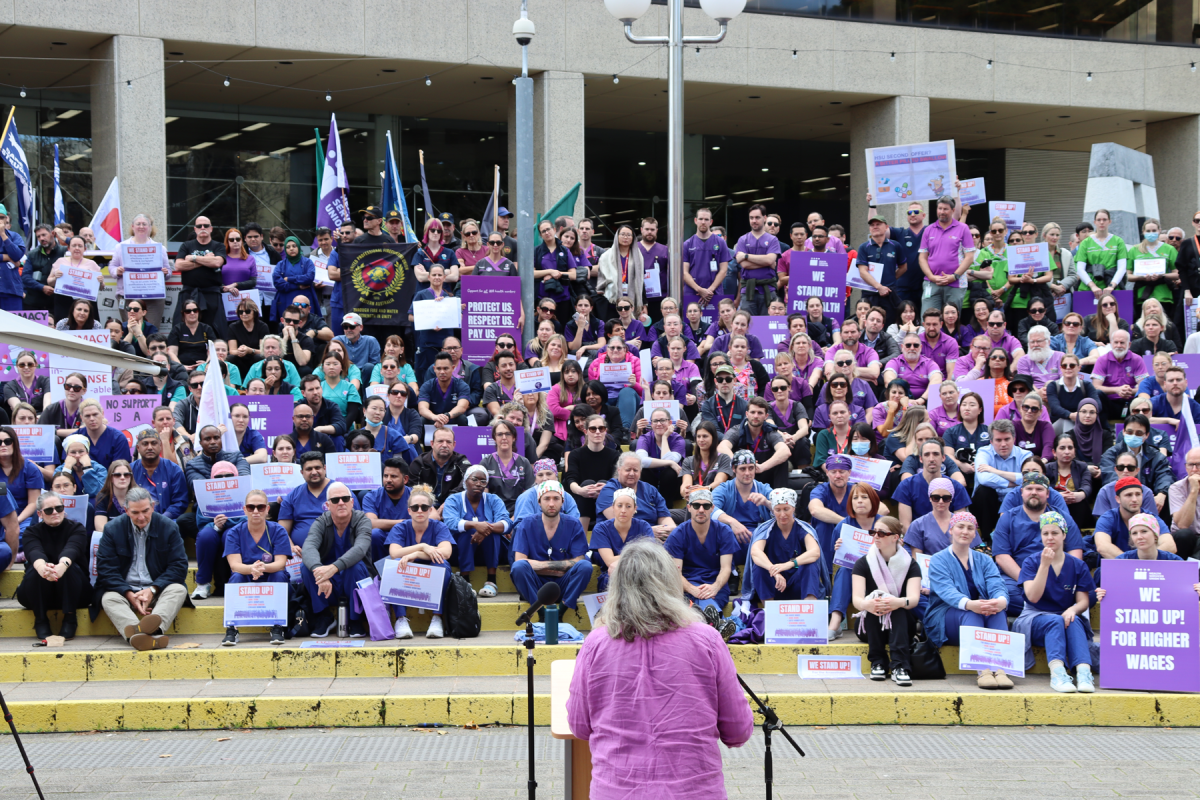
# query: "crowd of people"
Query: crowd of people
{"points": [[746, 482]]}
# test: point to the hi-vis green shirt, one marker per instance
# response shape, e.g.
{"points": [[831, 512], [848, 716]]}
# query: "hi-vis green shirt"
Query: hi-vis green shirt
{"points": [[1099, 263]]}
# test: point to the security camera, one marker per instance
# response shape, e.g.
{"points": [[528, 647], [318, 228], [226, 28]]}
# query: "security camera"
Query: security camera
{"points": [[523, 31]]}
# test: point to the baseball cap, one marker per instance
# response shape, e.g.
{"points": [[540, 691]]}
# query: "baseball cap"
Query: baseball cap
{"points": [[503, 212], [223, 468], [446, 216], [391, 215], [352, 319], [372, 211], [878, 218], [725, 368]]}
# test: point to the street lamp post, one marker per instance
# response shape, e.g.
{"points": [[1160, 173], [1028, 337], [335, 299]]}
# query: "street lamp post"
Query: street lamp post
{"points": [[630, 10]]}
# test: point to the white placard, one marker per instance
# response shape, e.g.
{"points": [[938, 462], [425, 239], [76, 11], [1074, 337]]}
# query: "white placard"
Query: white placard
{"points": [[222, 495], [75, 507], [293, 569], [322, 277], [671, 406], [258, 603], [825, 668], [1026, 258], [1012, 213], [797, 622], [652, 282], [615, 374], [923, 563], [911, 172], [79, 282], [872, 471], [99, 377], [1062, 306], [355, 470], [415, 585], [231, 302], [531, 381], [984, 648], [443, 313], [37, 442], [854, 277], [94, 549], [592, 603], [275, 479], [972, 192], [853, 547], [1150, 266], [377, 389], [142, 277]]}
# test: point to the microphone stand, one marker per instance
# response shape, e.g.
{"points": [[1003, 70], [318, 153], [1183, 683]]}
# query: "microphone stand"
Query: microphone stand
{"points": [[529, 662], [16, 737], [770, 724]]}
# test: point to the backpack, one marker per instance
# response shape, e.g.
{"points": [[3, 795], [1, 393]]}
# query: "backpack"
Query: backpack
{"points": [[460, 611]]}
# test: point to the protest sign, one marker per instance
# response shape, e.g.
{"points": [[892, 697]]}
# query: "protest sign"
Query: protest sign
{"points": [[1149, 626], [592, 604], [80, 282], [270, 415], [355, 470], [265, 272], [972, 192], [1149, 267], [911, 172], [853, 547], [984, 648], [275, 479], [772, 334], [616, 374], [492, 307], [250, 604], [872, 471], [797, 622], [1085, 303], [37, 442], [825, 668], [652, 282], [1012, 213], [855, 279], [1028, 258], [75, 507], [125, 411], [923, 562], [378, 282], [444, 313], [99, 376], [231, 302], [143, 277], [533, 380], [821, 275], [414, 585], [672, 407], [222, 495]]}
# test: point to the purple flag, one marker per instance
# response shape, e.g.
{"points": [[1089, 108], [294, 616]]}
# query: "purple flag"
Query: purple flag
{"points": [[492, 307], [820, 275], [1085, 303], [270, 414], [772, 333], [473, 442], [1149, 626], [334, 208]]}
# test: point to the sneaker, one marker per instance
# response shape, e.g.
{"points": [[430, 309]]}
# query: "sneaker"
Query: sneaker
{"points": [[835, 633], [1002, 680], [1084, 682], [727, 628], [435, 628], [323, 625], [231, 637], [277, 634], [712, 615], [900, 676], [1060, 681], [489, 590], [203, 591], [357, 629], [878, 672], [403, 629], [20, 558]]}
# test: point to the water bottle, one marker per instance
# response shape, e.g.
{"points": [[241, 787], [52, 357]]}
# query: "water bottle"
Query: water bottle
{"points": [[343, 624], [552, 624]]}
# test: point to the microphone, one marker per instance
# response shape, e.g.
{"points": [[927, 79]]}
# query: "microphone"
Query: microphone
{"points": [[547, 596]]}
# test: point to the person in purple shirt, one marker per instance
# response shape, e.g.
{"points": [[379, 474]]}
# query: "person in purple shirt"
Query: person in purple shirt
{"points": [[1034, 435], [739, 325], [706, 259], [637, 335], [756, 253], [921, 372], [936, 345], [1117, 374], [673, 327], [662, 450], [1041, 362], [1018, 387], [866, 360], [947, 252], [973, 365], [654, 254], [998, 333]]}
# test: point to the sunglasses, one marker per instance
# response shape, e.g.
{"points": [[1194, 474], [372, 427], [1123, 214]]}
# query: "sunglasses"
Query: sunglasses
{"points": [[398, 392], [302, 305], [52, 510], [624, 308], [202, 227], [27, 365], [234, 239], [839, 386], [199, 385], [913, 213], [1071, 324], [1037, 311], [883, 534], [779, 388], [1031, 408], [420, 507], [495, 242], [6, 442], [72, 387], [191, 311], [724, 379], [1174, 238], [702, 506], [115, 474], [843, 363], [597, 430], [256, 507], [995, 324], [342, 499], [505, 345], [470, 233], [1126, 468], [245, 312], [940, 498], [133, 309], [912, 346], [1108, 305]]}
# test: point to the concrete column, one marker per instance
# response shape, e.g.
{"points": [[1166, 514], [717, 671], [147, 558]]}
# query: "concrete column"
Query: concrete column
{"points": [[129, 138], [882, 123], [1175, 146], [558, 145]]}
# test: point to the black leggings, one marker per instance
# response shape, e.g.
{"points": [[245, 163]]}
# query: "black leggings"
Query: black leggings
{"points": [[40, 595]]}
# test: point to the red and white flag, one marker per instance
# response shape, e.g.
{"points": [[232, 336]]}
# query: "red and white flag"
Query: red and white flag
{"points": [[106, 224]]}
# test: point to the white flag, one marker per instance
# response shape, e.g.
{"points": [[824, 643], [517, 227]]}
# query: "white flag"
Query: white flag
{"points": [[106, 225], [214, 403]]}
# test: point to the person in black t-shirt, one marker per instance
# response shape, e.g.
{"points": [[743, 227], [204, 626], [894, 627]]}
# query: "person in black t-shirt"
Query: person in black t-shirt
{"points": [[188, 342], [373, 225], [590, 467], [199, 262]]}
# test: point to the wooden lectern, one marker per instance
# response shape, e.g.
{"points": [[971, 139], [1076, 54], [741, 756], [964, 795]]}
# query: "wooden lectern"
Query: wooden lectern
{"points": [[577, 756]]}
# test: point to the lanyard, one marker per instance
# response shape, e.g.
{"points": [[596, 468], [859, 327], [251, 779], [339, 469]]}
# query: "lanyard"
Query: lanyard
{"points": [[267, 554], [727, 423], [69, 420], [624, 268], [506, 392], [507, 470]]}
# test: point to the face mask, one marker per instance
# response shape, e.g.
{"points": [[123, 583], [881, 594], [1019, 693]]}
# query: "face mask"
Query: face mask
{"points": [[1133, 442], [1151, 236], [860, 448]]}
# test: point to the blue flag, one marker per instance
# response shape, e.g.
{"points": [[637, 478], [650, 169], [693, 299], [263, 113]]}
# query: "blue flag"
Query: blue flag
{"points": [[13, 154], [393, 192], [60, 210]]}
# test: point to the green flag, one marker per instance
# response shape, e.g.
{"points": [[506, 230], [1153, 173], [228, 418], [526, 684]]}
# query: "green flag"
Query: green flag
{"points": [[565, 206]]}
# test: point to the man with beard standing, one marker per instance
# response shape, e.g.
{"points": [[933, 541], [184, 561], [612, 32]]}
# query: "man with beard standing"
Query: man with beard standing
{"points": [[1041, 362], [655, 255]]}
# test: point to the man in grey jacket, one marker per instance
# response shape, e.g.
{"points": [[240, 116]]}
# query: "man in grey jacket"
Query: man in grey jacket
{"points": [[336, 556]]}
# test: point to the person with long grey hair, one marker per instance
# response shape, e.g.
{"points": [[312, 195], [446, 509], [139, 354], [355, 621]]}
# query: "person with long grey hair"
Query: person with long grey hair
{"points": [[681, 669]]}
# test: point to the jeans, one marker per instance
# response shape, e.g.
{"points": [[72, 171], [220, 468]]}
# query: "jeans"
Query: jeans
{"points": [[1066, 644], [956, 618], [628, 402], [758, 301], [573, 583], [934, 296]]}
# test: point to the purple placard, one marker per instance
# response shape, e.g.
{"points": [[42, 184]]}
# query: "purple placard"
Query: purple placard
{"points": [[985, 388], [270, 414], [125, 411], [1085, 303], [1190, 364], [9, 353], [708, 314], [1149, 626], [473, 442], [772, 334], [491, 307], [820, 275]]}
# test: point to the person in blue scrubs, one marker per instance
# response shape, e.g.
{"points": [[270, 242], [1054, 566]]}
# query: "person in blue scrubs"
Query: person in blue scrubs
{"points": [[564, 544], [257, 550], [420, 538], [25, 479], [703, 550], [864, 512], [912, 494], [210, 539], [652, 508], [1057, 585], [610, 536], [10, 543], [930, 533], [827, 504], [481, 527], [527, 505], [107, 443], [89, 476], [786, 559], [742, 505], [1017, 536], [1144, 538], [164, 479], [251, 443], [1111, 538], [299, 507], [387, 506], [966, 588]]}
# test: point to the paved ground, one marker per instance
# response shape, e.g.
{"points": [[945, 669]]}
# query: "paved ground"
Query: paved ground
{"points": [[842, 763]]}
